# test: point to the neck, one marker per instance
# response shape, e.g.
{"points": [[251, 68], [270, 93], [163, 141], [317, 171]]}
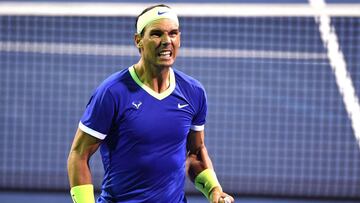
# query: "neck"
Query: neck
{"points": [[157, 78]]}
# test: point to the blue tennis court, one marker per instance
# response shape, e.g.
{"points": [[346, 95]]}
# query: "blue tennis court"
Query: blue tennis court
{"points": [[20, 197]]}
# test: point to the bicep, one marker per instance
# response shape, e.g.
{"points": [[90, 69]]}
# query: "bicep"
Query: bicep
{"points": [[195, 141], [84, 144]]}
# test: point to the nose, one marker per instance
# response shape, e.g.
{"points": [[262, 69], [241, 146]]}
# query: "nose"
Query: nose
{"points": [[165, 40]]}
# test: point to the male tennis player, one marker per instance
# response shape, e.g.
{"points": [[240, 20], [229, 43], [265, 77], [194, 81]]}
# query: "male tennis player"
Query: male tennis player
{"points": [[148, 121]]}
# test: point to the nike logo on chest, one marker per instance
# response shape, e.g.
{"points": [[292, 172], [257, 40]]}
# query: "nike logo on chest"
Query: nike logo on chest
{"points": [[180, 106]]}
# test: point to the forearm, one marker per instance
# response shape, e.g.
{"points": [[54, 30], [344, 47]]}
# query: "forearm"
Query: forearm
{"points": [[200, 169], [202, 174], [78, 169], [83, 147], [197, 161]]}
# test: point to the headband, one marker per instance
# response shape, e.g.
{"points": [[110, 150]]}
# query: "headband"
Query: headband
{"points": [[155, 14]]}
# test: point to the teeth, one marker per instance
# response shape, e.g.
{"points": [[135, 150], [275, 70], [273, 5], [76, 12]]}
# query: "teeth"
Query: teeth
{"points": [[165, 53]]}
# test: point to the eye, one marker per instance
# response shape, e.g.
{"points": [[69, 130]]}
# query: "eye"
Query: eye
{"points": [[174, 33], [155, 34]]}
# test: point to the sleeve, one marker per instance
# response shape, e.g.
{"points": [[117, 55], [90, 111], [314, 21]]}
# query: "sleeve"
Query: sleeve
{"points": [[99, 113], [198, 122]]}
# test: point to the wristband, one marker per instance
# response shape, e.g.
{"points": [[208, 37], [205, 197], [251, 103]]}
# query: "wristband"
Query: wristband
{"points": [[206, 181], [83, 194]]}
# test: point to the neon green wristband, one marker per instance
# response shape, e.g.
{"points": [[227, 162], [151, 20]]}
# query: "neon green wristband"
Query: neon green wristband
{"points": [[206, 181], [83, 194]]}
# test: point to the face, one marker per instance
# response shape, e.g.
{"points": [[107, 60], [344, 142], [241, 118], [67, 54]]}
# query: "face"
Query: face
{"points": [[160, 43]]}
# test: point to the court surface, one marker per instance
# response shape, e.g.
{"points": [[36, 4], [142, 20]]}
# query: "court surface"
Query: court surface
{"points": [[21, 197]]}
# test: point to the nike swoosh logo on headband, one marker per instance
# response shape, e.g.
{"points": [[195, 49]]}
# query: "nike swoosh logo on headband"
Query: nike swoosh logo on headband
{"points": [[160, 13]]}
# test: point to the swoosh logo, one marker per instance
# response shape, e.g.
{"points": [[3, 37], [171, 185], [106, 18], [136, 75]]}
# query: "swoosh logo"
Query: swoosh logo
{"points": [[160, 13], [182, 106]]}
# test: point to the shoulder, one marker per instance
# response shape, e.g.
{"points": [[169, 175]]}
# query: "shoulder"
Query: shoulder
{"points": [[114, 82], [187, 81]]}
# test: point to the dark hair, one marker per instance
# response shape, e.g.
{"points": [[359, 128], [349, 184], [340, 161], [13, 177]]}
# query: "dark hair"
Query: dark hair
{"points": [[144, 11]]}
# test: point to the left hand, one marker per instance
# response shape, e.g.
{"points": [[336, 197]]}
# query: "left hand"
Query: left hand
{"points": [[218, 196]]}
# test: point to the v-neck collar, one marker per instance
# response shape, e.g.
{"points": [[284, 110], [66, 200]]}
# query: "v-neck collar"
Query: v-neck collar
{"points": [[159, 96]]}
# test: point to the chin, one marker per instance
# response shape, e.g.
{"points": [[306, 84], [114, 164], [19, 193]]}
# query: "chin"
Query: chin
{"points": [[166, 64]]}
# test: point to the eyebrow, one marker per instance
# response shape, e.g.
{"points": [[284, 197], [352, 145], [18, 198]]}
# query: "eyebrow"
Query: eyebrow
{"points": [[159, 30]]}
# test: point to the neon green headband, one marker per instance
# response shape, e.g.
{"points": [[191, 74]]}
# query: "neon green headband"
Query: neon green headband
{"points": [[155, 14]]}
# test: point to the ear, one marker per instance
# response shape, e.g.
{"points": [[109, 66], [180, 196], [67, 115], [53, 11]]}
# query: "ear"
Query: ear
{"points": [[138, 40], [140, 44]]}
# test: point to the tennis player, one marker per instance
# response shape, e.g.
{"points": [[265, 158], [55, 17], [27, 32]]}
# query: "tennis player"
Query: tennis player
{"points": [[148, 121]]}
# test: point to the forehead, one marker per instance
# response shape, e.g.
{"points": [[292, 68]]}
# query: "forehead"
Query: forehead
{"points": [[162, 24]]}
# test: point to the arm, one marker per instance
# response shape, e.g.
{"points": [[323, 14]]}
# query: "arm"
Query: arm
{"points": [[198, 160], [197, 157], [83, 147]]}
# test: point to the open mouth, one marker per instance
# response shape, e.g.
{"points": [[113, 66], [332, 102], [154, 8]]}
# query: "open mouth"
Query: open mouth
{"points": [[165, 54]]}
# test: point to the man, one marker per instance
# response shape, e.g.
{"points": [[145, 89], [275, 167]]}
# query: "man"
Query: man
{"points": [[148, 121]]}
